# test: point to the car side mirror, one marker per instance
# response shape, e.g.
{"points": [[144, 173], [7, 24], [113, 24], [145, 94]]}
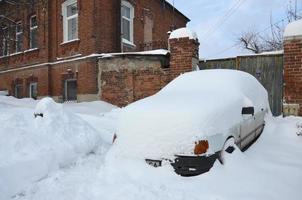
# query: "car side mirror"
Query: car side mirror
{"points": [[248, 111]]}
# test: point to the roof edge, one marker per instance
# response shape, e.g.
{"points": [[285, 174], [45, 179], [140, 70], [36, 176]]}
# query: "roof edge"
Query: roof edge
{"points": [[173, 7]]}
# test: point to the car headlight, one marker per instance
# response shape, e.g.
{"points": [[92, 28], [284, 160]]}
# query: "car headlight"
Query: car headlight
{"points": [[201, 147]]}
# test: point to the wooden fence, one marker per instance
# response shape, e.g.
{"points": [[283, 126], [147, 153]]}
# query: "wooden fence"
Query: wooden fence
{"points": [[267, 68]]}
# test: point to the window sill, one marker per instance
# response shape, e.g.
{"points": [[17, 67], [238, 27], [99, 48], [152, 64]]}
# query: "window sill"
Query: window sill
{"points": [[19, 53], [128, 43], [4, 56], [70, 41], [30, 50]]}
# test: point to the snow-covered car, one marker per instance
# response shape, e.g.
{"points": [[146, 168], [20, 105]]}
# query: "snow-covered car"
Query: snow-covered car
{"points": [[194, 120]]}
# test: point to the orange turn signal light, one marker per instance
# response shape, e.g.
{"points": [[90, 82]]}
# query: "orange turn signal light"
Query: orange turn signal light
{"points": [[201, 147]]}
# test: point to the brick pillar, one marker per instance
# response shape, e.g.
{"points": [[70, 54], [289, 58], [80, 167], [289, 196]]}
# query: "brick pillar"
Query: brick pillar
{"points": [[184, 49], [293, 64]]}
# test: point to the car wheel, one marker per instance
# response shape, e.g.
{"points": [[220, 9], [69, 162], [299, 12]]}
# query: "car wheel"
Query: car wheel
{"points": [[228, 148]]}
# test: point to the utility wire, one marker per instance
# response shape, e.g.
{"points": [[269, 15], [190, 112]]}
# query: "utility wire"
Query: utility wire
{"points": [[223, 19], [257, 33]]}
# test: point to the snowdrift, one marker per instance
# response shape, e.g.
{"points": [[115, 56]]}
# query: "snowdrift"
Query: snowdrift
{"points": [[31, 148]]}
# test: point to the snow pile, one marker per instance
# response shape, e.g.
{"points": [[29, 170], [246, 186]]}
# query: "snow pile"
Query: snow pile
{"points": [[3, 93], [91, 108], [192, 107], [293, 29], [105, 123], [31, 148], [183, 33], [12, 101], [270, 169]]}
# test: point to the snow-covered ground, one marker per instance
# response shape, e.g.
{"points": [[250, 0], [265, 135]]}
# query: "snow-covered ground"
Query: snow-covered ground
{"points": [[41, 160]]}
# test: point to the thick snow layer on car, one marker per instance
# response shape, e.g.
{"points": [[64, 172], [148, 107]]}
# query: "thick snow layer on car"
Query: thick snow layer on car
{"points": [[183, 33], [293, 29], [31, 148], [194, 106]]}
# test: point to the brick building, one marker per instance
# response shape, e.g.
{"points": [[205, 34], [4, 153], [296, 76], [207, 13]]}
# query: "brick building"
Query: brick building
{"points": [[293, 65], [51, 48]]}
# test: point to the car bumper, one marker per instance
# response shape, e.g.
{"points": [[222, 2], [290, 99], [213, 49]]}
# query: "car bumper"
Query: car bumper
{"points": [[194, 165]]}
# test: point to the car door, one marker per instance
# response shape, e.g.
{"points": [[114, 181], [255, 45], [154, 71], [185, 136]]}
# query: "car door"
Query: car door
{"points": [[259, 121], [247, 126]]}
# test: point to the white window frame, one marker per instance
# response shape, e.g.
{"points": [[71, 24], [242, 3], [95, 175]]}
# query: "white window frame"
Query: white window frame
{"points": [[131, 20], [31, 28], [65, 20], [30, 89], [5, 42], [17, 34]]}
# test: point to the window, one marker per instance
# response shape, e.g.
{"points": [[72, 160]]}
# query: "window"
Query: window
{"points": [[70, 20], [33, 90], [5, 42], [19, 37], [33, 35], [70, 89], [127, 15], [18, 91]]}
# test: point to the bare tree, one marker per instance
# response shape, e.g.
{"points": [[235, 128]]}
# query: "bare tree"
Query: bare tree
{"points": [[257, 42]]}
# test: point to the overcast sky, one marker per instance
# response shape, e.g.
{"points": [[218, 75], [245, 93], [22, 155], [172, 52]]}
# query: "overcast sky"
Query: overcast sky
{"points": [[218, 28]]}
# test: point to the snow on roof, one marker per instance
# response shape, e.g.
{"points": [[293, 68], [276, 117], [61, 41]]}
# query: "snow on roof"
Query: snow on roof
{"points": [[293, 29], [159, 52], [266, 53], [183, 33]]}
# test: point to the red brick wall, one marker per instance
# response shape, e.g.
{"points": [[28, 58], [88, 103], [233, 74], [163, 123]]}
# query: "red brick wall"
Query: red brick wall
{"points": [[50, 78], [293, 71], [22, 14], [184, 55], [126, 79], [163, 21], [99, 29], [126, 86], [41, 75], [84, 71]]}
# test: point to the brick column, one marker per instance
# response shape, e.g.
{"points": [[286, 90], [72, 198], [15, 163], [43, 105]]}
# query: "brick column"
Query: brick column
{"points": [[184, 49], [293, 64]]}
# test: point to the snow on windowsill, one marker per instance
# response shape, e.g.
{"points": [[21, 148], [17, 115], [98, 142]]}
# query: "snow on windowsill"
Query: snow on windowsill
{"points": [[4, 56], [159, 52], [20, 52], [127, 42], [73, 56], [29, 50], [70, 41], [17, 53]]}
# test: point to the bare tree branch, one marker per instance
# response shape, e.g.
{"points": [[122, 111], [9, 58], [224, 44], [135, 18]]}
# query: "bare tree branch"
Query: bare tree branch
{"points": [[257, 42]]}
